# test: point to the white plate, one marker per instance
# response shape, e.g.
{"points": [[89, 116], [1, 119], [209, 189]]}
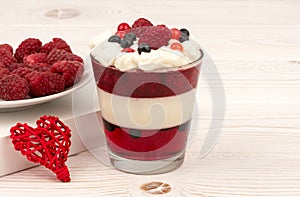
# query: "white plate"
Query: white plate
{"points": [[8, 106]]}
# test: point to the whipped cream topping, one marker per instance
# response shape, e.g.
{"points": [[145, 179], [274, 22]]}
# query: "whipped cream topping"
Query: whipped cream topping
{"points": [[157, 59], [106, 52], [110, 53]]}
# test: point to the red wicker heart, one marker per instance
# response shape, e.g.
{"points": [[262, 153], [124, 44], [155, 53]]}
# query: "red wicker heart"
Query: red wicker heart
{"points": [[48, 144]]}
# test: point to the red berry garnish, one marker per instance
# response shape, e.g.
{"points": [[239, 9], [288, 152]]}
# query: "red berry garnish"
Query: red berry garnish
{"points": [[176, 46], [156, 37], [140, 26], [123, 27], [141, 22], [121, 34], [128, 50], [175, 33], [138, 31], [162, 25]]}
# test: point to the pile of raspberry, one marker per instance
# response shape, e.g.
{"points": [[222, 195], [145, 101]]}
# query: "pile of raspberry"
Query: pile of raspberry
{"points": [[36, 70], [150, 37]]}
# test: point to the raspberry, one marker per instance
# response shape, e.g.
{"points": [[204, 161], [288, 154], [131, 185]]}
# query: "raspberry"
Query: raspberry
{"points": [[44, 83], [7, 47], [35, 58], [156, 37], [140, 26], [162, 25], [6, 58], [22, 71], [13, 87], [27, 47], [56, 43], [141, 22], [71, 71], [15, 65], [58, 54], [4, 71], [139, 31], [41, 67]]}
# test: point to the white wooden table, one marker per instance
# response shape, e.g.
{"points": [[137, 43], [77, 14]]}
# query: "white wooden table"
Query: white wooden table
{"points": [[256, 48]]}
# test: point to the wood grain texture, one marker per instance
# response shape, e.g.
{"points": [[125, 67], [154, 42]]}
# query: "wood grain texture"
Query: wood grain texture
{"points": [[255, 46]]}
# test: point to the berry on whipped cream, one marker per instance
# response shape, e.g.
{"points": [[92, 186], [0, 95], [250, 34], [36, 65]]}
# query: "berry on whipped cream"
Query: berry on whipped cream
{"points": [[144, 46]]}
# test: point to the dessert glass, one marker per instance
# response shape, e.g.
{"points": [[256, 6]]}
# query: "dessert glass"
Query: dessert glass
{"points": [[146, 115]]}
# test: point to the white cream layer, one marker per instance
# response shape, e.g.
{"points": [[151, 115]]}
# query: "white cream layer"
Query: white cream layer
{"points": [[146, 113]]}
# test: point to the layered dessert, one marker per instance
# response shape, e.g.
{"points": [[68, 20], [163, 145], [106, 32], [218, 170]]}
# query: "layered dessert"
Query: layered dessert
{"points": [[146, 77]]}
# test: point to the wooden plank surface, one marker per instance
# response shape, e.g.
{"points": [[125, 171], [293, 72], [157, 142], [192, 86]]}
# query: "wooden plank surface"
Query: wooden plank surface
{"points": [[255, 46]]}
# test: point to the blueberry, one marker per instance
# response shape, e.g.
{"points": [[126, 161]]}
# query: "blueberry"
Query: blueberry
{"points": [[144, 48], [126, 43], [114, 38], [109, 127], [130, 36], [183, 38], [135, 133], [184, 127], [184, 32]]}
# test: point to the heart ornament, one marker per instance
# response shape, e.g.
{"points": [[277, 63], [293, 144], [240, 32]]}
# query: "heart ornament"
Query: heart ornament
{"points": [[48, 144]]}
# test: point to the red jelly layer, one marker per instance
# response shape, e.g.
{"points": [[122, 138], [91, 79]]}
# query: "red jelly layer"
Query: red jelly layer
{"points": [[141, 84], [146, 144]]}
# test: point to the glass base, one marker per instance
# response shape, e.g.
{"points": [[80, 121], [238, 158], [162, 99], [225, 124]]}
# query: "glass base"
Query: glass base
{"points": [[146, 167]]}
